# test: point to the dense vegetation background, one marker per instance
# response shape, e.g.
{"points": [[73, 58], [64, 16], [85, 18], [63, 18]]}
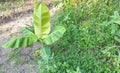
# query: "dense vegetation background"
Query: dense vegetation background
{"points": [[91, 42]]}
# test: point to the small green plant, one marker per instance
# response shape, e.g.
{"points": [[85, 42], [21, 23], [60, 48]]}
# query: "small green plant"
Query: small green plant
{"points": [[114, 23], [40, 33]]}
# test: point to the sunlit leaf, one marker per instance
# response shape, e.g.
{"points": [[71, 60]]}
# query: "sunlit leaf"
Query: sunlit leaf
{"points": [[27, 31], [19, 42], [41, 20], [55, 35]]}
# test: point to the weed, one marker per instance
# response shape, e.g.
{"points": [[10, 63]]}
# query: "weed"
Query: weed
{"points": [[89, 44]]}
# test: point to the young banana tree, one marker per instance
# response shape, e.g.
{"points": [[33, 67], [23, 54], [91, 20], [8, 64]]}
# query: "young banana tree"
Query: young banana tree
{"points": [[41, 32]]}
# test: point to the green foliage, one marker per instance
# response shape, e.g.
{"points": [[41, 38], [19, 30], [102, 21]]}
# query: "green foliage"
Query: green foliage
{"points": [[19, 42], [115, 22], [40, 33], [116, 18], [41, 30], [89, 44], [117, 39], [45, 53], [55, 35], [28, 30], [41, 18]]}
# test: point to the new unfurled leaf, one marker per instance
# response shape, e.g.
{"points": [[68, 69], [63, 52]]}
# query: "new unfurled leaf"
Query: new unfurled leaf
{"points": [[55, 35], [41, 20], [19, 42]]}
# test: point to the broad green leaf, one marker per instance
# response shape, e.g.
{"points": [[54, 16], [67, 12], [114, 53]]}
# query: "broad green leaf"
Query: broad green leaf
{"points": [[55, 35], [45, 53], [41, 18], [19, 42], [27, 31]]}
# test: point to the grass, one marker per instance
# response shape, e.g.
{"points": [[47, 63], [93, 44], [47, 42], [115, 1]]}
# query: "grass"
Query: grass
{"points": [[89, 44]]}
